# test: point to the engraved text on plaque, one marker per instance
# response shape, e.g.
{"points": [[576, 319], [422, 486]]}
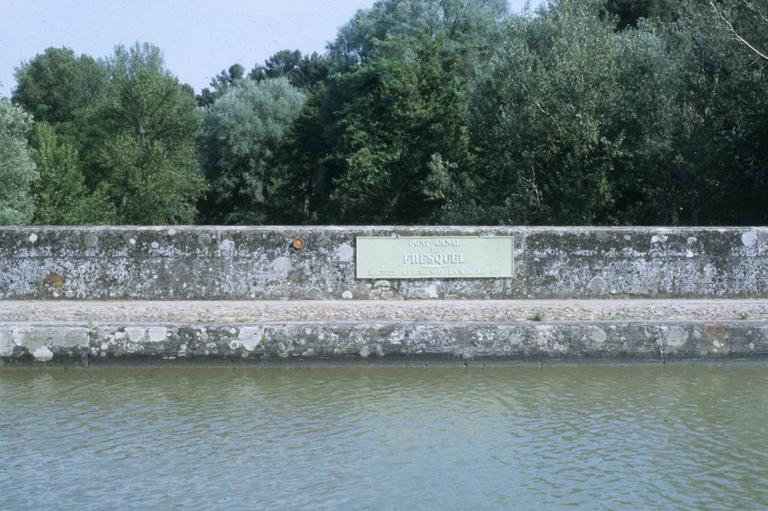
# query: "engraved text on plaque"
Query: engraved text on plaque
{"points": [[413, 257]]}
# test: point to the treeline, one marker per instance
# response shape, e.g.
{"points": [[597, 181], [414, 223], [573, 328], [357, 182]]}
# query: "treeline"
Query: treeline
{"points": [[420, 111]]}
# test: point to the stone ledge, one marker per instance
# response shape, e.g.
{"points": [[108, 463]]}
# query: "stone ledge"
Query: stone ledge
{"points": [[234, 312], [35, 343]]}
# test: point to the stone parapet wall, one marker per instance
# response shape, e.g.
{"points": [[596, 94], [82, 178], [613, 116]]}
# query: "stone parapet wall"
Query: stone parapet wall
{"points": [[259, 263]]}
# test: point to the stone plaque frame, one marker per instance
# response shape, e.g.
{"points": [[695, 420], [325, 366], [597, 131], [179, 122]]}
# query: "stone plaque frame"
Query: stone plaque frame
{"points": [[434, 257]]}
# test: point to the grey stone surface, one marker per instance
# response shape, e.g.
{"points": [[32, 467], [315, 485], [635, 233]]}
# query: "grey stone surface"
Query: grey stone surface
{"points": [[244, 312], [87, 296], [40, 343], [381, 341], [245, 263]]}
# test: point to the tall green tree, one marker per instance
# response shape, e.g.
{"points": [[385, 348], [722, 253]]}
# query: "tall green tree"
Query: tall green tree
{"points": [[385, 143], [57, 83], [17, 169], [142, 145], [470, 26], [403, 140], [573, 125], [302, 192], [723, 87], [61, 195], [239, 145], [220, 84], [128, 61], [302, 71], [385, 139]]}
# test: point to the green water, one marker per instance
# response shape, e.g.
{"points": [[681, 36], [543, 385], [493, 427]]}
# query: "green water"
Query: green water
{"points": [[519, 437]]}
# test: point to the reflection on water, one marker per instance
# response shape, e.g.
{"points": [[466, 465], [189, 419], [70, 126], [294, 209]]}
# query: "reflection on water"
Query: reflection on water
{"points": [[515, 437]]}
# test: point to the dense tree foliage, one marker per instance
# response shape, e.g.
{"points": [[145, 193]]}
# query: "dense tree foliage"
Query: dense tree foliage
{"points": [[302, 71], [420, 111], [147, 157], [654, 125], [17, 170], [56, 84], [573, 122], [120, 151], [469, 25], [386, 139], [723, 89], [62, 196], [220, 84], [243, 130], [395, 132], [630, 12]]}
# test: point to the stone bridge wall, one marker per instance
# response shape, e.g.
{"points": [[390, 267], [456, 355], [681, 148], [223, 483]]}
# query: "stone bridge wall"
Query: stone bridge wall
{"points": [[245, 263]]}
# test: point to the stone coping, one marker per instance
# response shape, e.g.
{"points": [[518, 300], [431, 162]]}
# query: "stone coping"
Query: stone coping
{"points": [[374, 228], [87, 333], [239, 312]]}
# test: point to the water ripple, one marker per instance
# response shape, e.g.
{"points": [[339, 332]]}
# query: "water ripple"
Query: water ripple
{"points": [[576, 437]]}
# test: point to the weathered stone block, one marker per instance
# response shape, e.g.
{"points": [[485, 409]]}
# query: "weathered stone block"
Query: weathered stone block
{"points": [[229, 263]]}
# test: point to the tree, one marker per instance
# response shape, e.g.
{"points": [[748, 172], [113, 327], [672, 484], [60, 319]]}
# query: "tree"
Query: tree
{"points": [[630, 12], [146, 185], [385, 138], [573, 124], [54, 85], [241, 137], [302, 192], [469, 25], [61, 195], [723, 88], [751, 14], [302, 71], [143, 141], [392, 138], [220, 84], [17, 170], [127, 62]]}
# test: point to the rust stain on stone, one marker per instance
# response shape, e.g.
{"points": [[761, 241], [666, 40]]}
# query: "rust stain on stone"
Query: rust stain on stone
{"points": [[716, 333], [53, 282]]}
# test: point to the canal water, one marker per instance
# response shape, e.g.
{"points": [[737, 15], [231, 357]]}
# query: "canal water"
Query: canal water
{"points": [[512, 437]]}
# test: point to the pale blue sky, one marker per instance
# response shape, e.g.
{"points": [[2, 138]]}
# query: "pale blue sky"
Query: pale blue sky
{"points": [[198, 38]]}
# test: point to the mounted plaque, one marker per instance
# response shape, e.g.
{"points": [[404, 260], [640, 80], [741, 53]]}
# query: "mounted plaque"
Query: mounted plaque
{"points": [[445, 257]]}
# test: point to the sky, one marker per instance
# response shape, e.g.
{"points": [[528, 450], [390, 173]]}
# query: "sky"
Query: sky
{"points": [[198, 39]]}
